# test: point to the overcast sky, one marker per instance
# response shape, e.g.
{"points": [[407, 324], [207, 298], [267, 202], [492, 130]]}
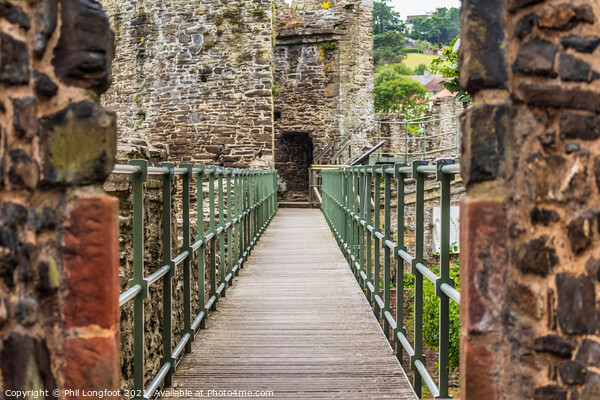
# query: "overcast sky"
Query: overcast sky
{"points": [[418, 7]]}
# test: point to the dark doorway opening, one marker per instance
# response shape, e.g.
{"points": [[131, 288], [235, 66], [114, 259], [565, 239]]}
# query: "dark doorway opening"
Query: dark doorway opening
{"points": [[293, 157]]}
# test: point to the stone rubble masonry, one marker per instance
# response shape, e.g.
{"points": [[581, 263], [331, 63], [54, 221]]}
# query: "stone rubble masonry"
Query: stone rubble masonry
{"points": [[228, 82], [58, 234], [530, 221], [197, 76], [324, 78]]}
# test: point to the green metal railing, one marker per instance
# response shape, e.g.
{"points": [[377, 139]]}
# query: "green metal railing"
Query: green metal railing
{"points": [[250, 201], [352, 206]]}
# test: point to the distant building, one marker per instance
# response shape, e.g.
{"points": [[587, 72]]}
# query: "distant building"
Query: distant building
{"points": [[411, 17], [433, 83]]}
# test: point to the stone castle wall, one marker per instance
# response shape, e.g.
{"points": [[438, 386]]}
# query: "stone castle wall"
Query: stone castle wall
{"points": [[58, 236], [324, 79], [531, 165], [197, 76]]}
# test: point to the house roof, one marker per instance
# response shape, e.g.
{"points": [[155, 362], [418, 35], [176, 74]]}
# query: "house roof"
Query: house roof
{"points": [[443, 93]]}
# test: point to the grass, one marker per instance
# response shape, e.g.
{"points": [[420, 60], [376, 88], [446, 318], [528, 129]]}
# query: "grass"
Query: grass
{"points": [[414, 59]]}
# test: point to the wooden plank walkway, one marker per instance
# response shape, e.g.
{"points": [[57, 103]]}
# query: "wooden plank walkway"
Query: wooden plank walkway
{"points": [[295, 323]]}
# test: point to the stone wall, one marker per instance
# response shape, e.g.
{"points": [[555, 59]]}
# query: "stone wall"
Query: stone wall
{"points": [[324, 80], [58, 261], [530, 162], [196, 75], [437, 137]]}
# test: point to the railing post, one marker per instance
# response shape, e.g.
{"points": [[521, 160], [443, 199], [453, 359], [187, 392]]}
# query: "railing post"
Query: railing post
{"points": [[399, 261], [212, 175], [229, 229], [361, 226], [236, 215], [369, 221], [419, 259], [387, 210], [377, 240], [137, 181], [167, 185], [444, 346], [187, 279], [201, 251], [222, 259]]}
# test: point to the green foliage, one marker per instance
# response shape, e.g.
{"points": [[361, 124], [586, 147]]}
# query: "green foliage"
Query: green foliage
{"points": [[385, 18], [388, 48], [431, 314], [259, 13], [399, 68], [397, 93], [443, 20], [329, 46], [448, 65], [276, 90], [420, 70]]}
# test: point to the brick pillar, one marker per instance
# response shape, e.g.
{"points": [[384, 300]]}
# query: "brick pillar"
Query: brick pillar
{"points": [[58, 235], [530, 223]]}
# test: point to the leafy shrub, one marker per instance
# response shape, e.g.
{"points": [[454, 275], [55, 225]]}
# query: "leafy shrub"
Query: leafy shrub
{"points": [[431, 315]]}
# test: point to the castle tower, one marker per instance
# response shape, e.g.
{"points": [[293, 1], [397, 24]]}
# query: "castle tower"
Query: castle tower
{"points": [[324, 81]]}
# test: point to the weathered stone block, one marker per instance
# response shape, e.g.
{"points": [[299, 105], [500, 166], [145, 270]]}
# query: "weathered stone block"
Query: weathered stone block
{"points": [[572, 373], [589, 353], [581, 231], [536, 58], [558, 97], [14, 61], [550, 392], [27, 311], [581, 44], [573, 69], [92, 363], [15, 15], [482, 55], [79, 144], [483, 263], [542, 216], [91, 258], [44, 86], [525, 25], [24, 171], [556, 345], [484, 134], [576, 304], [84, 53], [478, 372], [565, 16], [535, 257], [45, 22], [579, 126], [25, 361], [25, 117]]}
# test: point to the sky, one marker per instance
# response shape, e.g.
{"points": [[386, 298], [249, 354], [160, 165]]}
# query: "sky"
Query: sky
{"points": [[418, 7]]}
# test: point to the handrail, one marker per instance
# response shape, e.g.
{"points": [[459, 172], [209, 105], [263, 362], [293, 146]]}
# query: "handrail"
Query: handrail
{"points": [[352, 205], [250, 201]]}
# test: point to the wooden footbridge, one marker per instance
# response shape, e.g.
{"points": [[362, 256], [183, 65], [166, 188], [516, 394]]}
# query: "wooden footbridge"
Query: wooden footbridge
{"points": [[298, 323]]}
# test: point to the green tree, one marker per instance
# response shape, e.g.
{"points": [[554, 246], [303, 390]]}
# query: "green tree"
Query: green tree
{"points": [[448, 66], [385, 18], [443, 20], [396, 93], [388, 48], [397, 68]]}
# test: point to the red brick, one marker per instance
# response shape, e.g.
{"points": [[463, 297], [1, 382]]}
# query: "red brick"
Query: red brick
{"points": [[91, 257], [477, 372], [91, 364], [483, 260]]}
